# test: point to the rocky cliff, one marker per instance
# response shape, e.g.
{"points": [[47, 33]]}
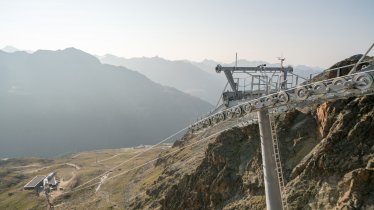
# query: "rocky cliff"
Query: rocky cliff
{"points": [[338, 172]]}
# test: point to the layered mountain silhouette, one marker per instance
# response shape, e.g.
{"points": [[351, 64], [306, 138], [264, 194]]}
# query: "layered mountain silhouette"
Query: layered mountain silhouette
{"points": [[9, 49], [182, 75], [55, 102], [196, 78]]}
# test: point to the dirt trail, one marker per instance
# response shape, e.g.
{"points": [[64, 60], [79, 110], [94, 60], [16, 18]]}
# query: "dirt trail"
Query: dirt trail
{"points": [[103, 178], [63, 184], [73, 165], [27, 166], [42, 168], [108, 158]]}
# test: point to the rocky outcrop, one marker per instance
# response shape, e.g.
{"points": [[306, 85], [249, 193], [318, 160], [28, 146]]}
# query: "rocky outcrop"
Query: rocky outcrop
{"points": [[228, 175], [346, 64], [335, 174], [229, 171], [321, 114]]}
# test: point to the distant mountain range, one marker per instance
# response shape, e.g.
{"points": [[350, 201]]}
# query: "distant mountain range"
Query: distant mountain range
{"points": [[196, 78], [183, 75], [55, 102], [11, 49]]}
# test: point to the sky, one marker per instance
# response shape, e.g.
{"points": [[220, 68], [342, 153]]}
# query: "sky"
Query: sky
{"points": [[314, 33]]}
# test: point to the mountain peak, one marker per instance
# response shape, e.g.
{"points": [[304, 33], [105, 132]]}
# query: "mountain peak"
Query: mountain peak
{"points": [[209, 62], [70, 53], [10, 49], [73, 50]]}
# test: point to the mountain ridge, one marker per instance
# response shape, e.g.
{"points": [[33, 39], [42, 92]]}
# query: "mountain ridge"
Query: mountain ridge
{"points": [[196, 78], [67, 101], [180, 74]]}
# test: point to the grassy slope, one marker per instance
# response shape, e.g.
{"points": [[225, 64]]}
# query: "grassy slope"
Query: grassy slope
{"points": [[15, 173]]}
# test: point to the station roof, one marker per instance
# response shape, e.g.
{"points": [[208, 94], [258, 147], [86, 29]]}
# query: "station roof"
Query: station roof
{"points": [[35, 181]]}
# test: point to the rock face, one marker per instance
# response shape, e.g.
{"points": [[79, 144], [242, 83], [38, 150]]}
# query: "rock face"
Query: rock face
{"points": [[227, 173], [338, 172]]}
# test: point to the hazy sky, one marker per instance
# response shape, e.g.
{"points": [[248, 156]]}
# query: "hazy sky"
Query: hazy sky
{"points": [[315, 33]]}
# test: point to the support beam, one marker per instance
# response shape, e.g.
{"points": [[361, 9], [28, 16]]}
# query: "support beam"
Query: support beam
{"points": [[272, 189], [353, 70], [220, 68], [231, 81]]}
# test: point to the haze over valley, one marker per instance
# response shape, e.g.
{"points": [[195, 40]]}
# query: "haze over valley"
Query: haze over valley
{"points": [[58, 102], [64, 101]]}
